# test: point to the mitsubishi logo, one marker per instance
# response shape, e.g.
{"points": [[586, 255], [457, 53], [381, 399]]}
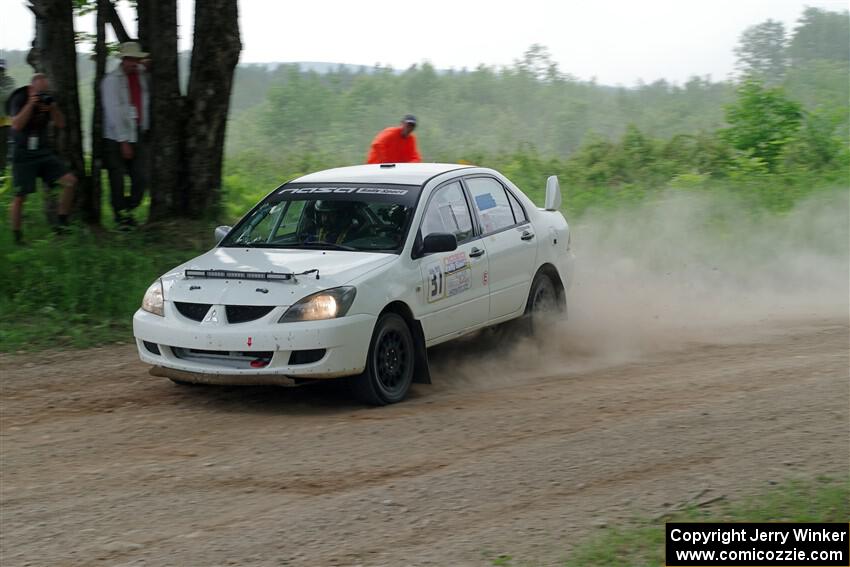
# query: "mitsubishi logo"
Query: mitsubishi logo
{"points": [[212, 316]]}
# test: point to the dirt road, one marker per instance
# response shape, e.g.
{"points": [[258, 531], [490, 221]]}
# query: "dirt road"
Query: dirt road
{"points": [[105, 465]]}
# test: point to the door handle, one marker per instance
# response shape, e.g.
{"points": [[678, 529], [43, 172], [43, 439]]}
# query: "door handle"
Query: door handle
{"points": [[476, 252], [527, 235]]}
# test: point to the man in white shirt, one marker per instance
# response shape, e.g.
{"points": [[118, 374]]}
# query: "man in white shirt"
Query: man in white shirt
{"points": [[125, 93]]}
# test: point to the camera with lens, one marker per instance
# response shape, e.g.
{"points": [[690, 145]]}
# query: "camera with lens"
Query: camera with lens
{"points": [[45, 98]]}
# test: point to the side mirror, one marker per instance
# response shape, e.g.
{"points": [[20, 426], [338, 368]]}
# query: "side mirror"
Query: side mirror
{"points": [[553, 194], [220, 233], [439, 242]]}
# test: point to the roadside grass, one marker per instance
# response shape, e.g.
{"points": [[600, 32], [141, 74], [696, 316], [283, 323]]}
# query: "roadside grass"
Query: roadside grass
{"points": [[81, 289], [641, 544]]}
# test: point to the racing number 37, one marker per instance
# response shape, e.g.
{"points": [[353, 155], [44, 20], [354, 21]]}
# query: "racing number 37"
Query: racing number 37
{"points": [[435, 278]]}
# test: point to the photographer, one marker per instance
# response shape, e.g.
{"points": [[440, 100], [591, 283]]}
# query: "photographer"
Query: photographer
{"points": [[32, 156]]}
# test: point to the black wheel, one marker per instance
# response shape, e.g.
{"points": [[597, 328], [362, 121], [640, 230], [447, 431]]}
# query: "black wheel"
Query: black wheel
{"points": [[545, 303], [389, 367]]}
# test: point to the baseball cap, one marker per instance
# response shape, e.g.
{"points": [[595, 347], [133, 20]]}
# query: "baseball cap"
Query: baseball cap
{"points": [[409, 119]]}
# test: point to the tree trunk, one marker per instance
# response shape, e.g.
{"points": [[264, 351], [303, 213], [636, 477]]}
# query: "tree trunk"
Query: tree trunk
{"points": [[92, 199], [158, 34], [34, 59], [111, 16], [215, 53], [59, 57]]}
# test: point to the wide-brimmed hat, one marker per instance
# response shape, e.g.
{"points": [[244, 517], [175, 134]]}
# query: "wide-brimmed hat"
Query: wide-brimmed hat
{"points": [[131, 49]]}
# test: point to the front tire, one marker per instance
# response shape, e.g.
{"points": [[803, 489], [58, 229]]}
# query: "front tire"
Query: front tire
{"points": [[545, 303], [390, 363]]}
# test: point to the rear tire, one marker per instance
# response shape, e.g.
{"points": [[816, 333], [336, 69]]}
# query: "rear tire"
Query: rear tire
{"points": [[389, 365]]}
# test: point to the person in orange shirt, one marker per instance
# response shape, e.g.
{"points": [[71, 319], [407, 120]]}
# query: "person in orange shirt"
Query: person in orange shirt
{"points": [[395, 144]]}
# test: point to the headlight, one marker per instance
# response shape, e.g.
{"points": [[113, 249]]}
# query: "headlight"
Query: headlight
{"points": [[152, 302], [328, 304]]}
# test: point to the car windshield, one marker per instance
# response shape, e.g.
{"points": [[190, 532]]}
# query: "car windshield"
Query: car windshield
{"points": [[372, 218]]}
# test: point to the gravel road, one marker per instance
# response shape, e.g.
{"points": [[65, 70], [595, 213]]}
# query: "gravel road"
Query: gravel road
{"points": [[103, 464]]}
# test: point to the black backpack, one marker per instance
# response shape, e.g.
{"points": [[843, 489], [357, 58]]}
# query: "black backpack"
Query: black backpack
{"points": [[20, 92]]}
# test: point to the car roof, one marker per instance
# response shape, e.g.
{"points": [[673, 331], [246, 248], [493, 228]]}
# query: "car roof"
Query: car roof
{"points": [[397, 173]]}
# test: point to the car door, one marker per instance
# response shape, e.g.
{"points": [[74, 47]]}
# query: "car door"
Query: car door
{"points": [[454, 284], [510, 243]]}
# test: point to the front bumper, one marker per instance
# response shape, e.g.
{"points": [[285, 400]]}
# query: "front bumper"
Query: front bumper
{"points": [[345, 342]]}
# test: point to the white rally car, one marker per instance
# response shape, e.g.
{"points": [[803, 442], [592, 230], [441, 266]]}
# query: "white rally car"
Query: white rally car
{"points": [[355, 272]]}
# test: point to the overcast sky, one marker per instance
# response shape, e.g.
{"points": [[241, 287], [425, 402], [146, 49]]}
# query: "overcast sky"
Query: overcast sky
{"points": [[615, 41]]}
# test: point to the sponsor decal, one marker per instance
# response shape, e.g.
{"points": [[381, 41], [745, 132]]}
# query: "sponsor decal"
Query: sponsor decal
{"points": [[456, 262], [448, 277], [485, 201], [381, 191], [457, 282], [342, 190], [485, 279], [317, 190]]}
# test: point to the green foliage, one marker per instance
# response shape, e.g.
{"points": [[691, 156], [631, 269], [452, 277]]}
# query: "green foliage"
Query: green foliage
{"points": [[822, 86], [531, 104], [82, 288], [762, 122], [816, 146], [821, 34], [761, 52], [814, 65]]}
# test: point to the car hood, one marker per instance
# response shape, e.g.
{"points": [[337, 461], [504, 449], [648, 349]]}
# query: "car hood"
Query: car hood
{"points": [[335, 268]]}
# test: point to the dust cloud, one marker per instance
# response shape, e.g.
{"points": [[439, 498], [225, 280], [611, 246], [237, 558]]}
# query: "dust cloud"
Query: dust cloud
{"points": [[679, 270]]}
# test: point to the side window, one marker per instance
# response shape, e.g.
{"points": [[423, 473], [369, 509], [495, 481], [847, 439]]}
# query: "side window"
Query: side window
{"points": [[448, 212], [491, 202], [519, 212]]}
